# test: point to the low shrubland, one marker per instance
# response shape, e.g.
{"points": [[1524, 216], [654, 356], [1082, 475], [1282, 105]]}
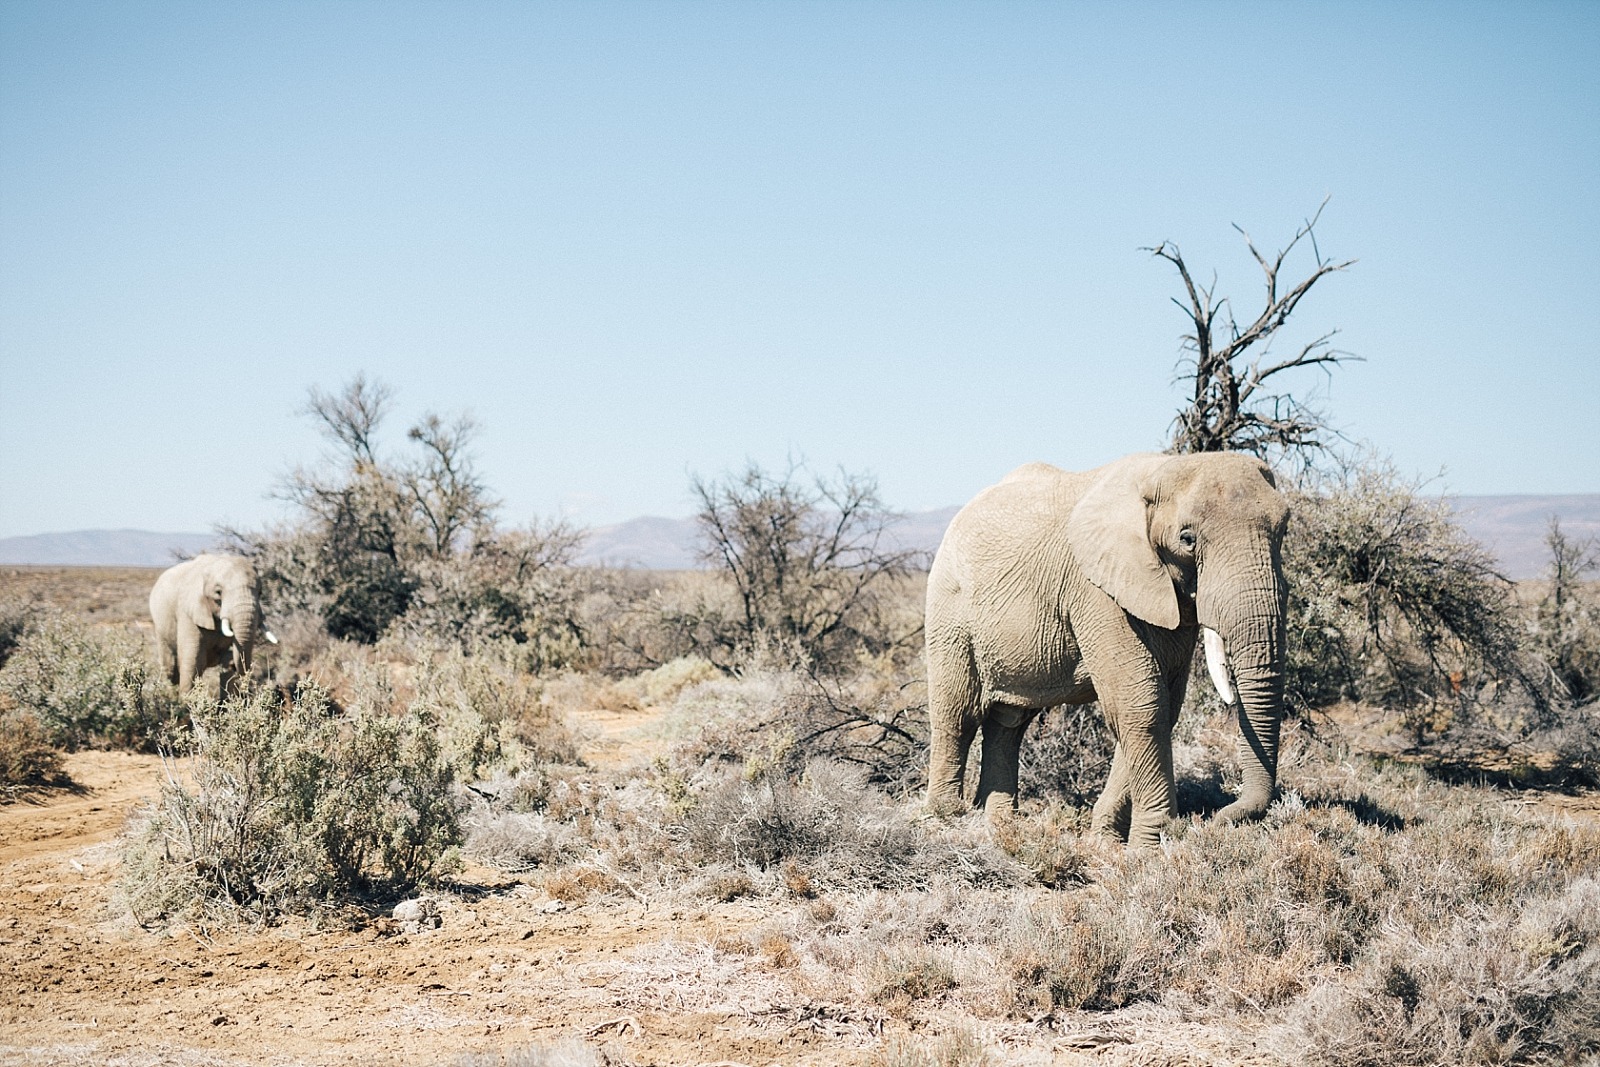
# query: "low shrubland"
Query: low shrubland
{"points": [[425, 707], [85, 686], [285, 805], [1376, 915]]}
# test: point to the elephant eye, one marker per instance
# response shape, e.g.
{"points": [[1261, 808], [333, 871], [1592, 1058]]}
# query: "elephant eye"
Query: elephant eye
{"points": [[1186, 538]]}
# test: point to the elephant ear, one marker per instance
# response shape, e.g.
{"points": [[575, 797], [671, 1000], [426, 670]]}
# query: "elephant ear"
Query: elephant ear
{"points": [[1110, 535], [203, 607]]}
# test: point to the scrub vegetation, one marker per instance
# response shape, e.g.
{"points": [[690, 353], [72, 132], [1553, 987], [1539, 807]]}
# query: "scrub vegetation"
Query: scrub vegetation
{"points": [[1414, 895]]}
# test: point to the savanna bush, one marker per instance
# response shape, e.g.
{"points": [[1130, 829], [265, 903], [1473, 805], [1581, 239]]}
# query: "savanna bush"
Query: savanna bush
{"points": [[813, 567], [875, 720], [1565, 615], [408, 544], [16, 614], [294, 803], [491, 714], [1391, 603], [89, 687], [27, 758]]}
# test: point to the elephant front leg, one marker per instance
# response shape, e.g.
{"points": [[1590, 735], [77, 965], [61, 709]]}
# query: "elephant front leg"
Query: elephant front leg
{"points": [[1114, 809], [188, 657], [1003, 728], [1138, 802], [166, 658]]}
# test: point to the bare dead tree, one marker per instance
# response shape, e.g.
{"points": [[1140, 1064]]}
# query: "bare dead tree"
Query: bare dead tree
{"points": [[1233, 407], [449, 498], [806, 560], [351, 416]]}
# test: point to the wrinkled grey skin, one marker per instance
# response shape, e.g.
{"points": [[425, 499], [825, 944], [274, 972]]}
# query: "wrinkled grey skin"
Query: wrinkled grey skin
{"points": [[189, 606], [1056, 587]]}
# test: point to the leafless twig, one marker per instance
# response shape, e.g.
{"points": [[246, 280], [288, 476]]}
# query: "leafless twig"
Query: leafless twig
{"points": [[1231, 408]]}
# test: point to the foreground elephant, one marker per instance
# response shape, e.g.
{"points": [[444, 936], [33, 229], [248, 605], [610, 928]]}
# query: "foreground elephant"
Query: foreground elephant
{"points": [[207, 613], [1061, 588]]}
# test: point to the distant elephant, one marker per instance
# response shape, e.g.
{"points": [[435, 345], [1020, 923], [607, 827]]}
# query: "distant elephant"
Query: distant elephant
{"points": [[1055, 587], [207, 612]]}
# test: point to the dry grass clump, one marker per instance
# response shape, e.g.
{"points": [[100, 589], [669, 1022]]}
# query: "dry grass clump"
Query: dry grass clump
{"points": [[960, 1047], [738, 806], [89, 687], [1373, 915], [27, 758], [1488, 986], [568, 1052], [875, 720]]}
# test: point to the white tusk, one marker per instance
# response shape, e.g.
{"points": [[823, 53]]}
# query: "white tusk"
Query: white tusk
{"points": [[227, 631], [1217, 664], [272, 638]]}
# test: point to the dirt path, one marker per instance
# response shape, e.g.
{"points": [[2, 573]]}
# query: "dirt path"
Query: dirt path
{"points": [[509, 968]]}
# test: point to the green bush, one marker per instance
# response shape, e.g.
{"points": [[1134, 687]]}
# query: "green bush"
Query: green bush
{"points": [[88, 687], [293, 804]]}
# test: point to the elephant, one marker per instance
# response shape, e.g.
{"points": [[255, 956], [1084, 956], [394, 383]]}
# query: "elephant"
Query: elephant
{"points": [[207, 611], [1054, 587]]}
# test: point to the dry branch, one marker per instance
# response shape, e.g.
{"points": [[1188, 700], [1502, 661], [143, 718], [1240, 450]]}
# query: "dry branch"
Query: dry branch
{"points": [[1231, 408]]}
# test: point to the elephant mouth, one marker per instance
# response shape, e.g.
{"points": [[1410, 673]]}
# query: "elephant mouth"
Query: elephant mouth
{"points": [[227, 631]]}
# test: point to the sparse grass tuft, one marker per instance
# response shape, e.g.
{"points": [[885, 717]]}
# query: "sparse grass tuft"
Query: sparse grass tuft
{"points": [[568, 1052], [960, 1047]]}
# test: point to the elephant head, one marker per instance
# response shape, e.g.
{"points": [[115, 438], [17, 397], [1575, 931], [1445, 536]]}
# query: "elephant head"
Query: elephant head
{"points": [[207, 613], [1179, 541], [226, 601]]}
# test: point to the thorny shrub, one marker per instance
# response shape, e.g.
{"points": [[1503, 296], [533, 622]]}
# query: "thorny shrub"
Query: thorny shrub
{"points": [[89, 687], [1565, 616], [409, 543], [1390, 602], [27, 758], [813, 565], [294, 804]]}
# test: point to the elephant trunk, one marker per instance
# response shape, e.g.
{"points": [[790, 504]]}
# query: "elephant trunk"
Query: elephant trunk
{"points": [[1250, 621], [239, 615]]}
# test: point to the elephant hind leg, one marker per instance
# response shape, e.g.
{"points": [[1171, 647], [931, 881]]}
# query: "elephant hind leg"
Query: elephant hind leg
{"points": [[1003, 728], [947, 767], [953, 716]]}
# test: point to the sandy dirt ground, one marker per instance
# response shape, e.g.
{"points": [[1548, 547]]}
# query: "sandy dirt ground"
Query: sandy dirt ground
{"points": [[81, 982]]}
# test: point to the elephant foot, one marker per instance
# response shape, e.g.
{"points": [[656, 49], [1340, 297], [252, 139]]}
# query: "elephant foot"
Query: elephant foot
{"points": [[946, 804], [1245, 809], [1000, 808]]}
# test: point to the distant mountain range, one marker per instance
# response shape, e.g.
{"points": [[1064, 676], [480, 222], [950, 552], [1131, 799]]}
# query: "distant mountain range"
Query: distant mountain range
{"points": [[103, 548], [1512, 527]]}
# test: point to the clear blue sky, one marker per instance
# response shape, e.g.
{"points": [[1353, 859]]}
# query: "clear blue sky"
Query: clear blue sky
{"points": [[642, 240]]}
